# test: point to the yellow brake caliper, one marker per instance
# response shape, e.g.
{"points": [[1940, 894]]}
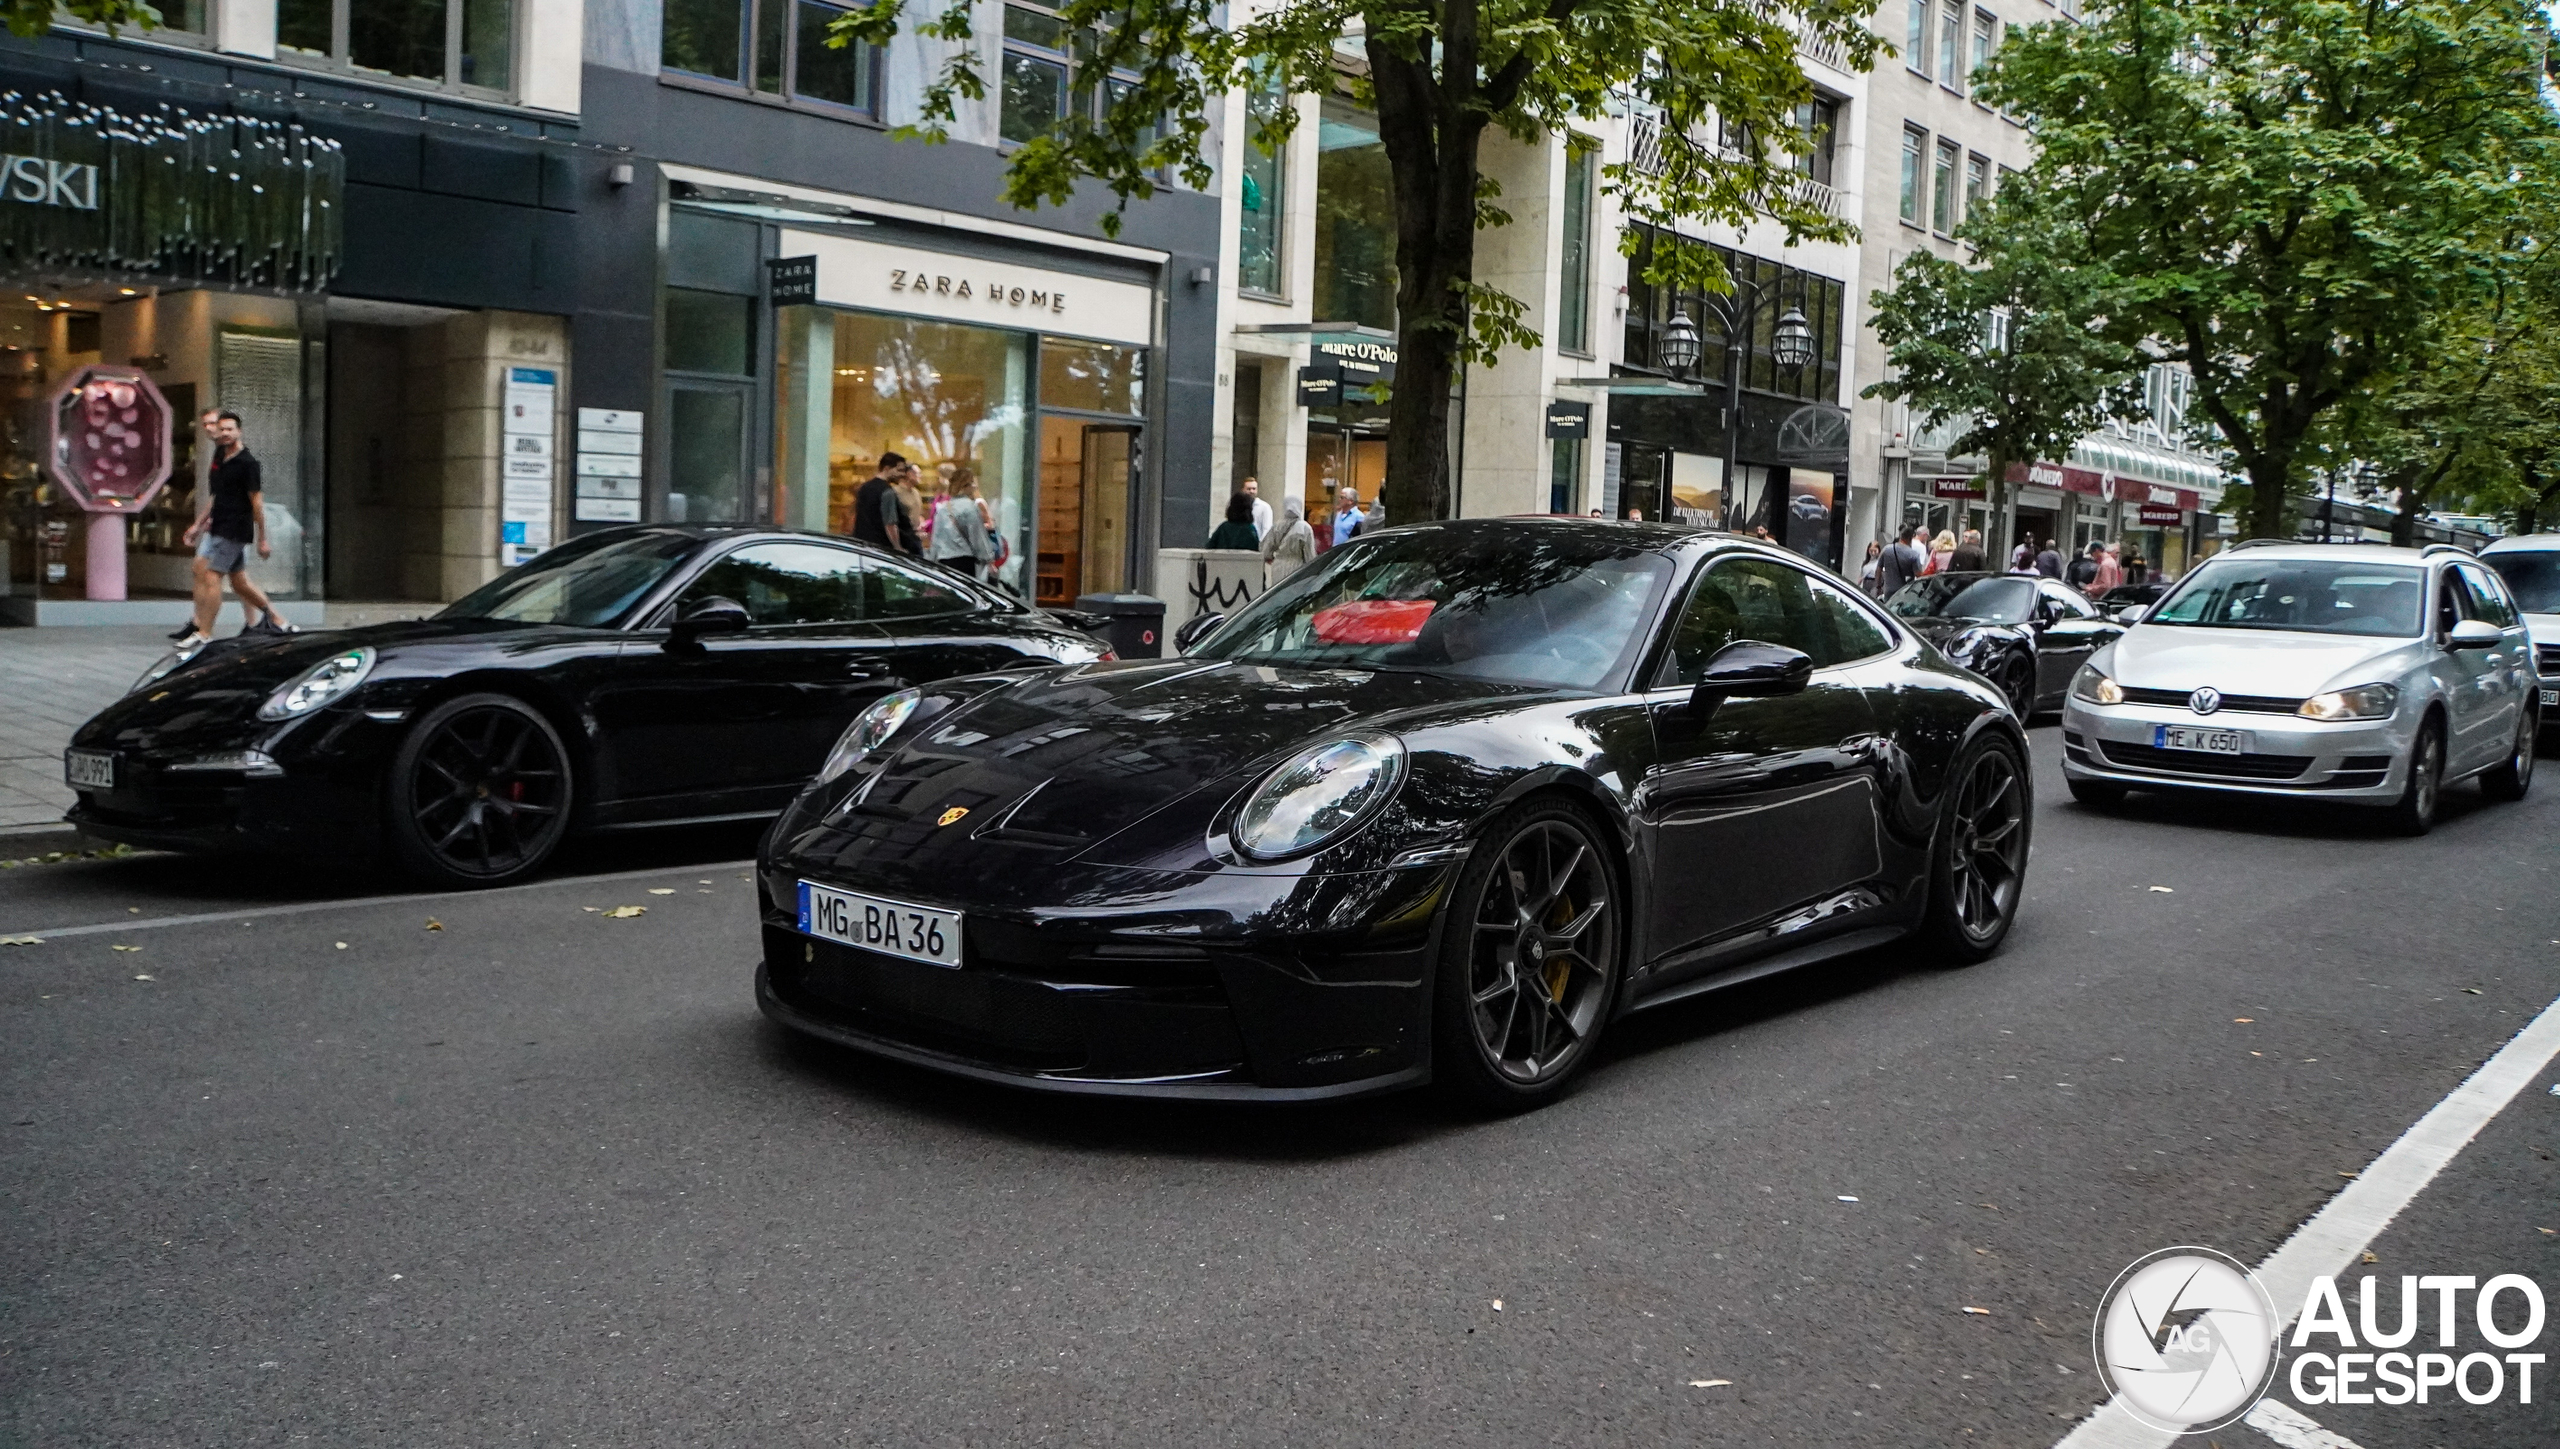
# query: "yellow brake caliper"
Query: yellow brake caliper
{"points": [[1558, 972]]}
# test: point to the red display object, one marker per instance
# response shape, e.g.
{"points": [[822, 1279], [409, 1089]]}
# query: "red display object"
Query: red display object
{"points": [[110, 451]]}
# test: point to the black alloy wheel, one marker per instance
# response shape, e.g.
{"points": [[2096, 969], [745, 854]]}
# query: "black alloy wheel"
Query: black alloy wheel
{"points": [[1978, 867], [2414, 813], [1530, 959], [2018, 681], [2514, 775], [480, 792]]}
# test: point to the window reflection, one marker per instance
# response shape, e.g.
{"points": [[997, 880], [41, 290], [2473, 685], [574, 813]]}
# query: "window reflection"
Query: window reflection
{"points": [[944, 397], [1092, 377]]}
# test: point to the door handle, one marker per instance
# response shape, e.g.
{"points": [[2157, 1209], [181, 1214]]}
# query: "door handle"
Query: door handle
{"points": [[866, 669]]}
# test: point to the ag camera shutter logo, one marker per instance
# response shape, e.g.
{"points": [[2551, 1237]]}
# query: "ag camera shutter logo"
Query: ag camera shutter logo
{"points": [[2186, 1340]]}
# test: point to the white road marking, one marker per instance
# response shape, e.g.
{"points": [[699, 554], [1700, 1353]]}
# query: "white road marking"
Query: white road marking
{"points": [[302, 908], [2289, 1428], [2332, 1242]]}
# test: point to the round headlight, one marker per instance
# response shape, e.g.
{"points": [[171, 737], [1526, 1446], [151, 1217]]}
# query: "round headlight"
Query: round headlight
{"points": [[869, 731], [327, 680], [1318, 795]]}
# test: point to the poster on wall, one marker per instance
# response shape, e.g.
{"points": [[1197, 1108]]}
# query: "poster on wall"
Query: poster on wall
{"points": [[526, 475], [1697, 490], [1806, 506]]}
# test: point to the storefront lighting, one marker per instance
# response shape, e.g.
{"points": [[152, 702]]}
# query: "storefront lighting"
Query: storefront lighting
{"points": [[1679, 343], [1792, 346]]}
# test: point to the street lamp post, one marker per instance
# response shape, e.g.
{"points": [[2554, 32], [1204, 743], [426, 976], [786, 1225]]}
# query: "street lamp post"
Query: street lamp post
{"points": [[1790, 346]]}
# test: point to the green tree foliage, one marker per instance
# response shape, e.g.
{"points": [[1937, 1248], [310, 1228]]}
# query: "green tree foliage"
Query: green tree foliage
{"points": [[31, 18], [2014, 345], [1441, 74], [2284, 193]]}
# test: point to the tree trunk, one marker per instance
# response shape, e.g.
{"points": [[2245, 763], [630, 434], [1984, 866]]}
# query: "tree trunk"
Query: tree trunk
{"points": [[2412, 507], [2529, 512], [1998, 490], [2270, 488]]}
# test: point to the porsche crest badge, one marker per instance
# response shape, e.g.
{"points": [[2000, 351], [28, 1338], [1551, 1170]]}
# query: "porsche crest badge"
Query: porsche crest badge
{"points": [[952, 815]]}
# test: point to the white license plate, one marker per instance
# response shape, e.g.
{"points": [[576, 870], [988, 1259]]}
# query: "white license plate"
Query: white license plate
{"points": [[2551, 699], [2211, 742], [893, 928], [89, 769]]}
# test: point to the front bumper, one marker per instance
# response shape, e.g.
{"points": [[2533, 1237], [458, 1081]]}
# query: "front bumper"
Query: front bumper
{"points": [[1199, 994], [2363, 760]]}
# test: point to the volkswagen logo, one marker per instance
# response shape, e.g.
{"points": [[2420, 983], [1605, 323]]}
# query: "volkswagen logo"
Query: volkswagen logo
{"points": [[2205, 700]]}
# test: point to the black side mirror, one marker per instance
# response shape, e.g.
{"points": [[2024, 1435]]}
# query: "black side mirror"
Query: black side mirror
{"points": [[1200, 627], [1749, 667], [714, 615]]}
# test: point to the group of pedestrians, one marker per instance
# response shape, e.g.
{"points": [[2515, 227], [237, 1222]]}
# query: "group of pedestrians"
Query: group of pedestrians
{"points": [[1911, 554], [230, 521], [1288, 543], [955, 529]]}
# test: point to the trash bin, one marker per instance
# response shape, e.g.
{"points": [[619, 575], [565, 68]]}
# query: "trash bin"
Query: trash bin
{"points": [[1135, 623]]}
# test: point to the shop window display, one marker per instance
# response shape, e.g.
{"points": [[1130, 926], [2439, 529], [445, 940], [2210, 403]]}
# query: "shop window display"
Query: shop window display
{"points": [[944, 397]]}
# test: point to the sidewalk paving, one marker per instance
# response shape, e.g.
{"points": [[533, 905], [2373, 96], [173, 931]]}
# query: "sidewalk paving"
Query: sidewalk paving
{"points": [[51, 681]]}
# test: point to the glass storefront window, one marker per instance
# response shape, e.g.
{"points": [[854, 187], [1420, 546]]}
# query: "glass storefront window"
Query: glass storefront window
{"points": [[1264, 200], [709, 331], [1092, 377], [1355, 218]]}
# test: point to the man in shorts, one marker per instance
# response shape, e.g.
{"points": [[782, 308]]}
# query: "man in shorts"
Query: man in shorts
{"points": [[231, 517]]}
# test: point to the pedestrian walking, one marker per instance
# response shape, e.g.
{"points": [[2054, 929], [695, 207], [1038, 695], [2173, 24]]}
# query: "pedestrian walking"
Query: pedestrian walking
{"points": [[2022, 559], [1237, 531], [2048, 562], [1867, 568], [1967, 559], [1900, 562], [2110, 574], [1348, 520], [911, 514], [1251, 488], [2083, 570], [1941, 549], [2135, 570], [875, 507], [961, 539], [1291, 546], [231, 518]]}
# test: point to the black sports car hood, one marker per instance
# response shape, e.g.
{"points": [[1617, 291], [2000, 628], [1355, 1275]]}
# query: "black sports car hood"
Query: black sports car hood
{"points": [[1942, 630], [1063, 762]]}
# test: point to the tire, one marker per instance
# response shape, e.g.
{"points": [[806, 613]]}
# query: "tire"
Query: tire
{"points": [[2509, 780], [2018, 681], [1506, 1039], [2414, 813], [480, 792], [1978, 855], [2097, 794]]}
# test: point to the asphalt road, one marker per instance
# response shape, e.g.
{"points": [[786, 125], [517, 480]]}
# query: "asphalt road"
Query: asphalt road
{"points": [[532, 1174]]}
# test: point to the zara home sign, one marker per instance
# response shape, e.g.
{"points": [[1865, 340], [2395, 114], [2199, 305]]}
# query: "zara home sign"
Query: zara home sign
{"points": [[882, 277]]}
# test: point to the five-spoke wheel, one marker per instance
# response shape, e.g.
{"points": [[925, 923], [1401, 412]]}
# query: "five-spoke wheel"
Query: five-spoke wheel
{"points": [[480, 791], [1532, 958]]}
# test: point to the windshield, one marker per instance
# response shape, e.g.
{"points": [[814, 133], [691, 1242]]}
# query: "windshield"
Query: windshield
{"points": [[2000, 600], [2312, 596], [585, 584], [1519, 606], [2534, 578]]}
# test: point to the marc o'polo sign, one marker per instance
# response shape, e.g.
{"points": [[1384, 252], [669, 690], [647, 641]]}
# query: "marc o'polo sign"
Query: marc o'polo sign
{"points": [[888, 278], [39, 181]]}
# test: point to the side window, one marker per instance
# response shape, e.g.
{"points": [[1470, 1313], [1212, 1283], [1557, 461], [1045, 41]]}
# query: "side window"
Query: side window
{"points": [[785, 583], [2073, 605], [2488, 601], [1750, 598], [2452, 600], [890, 591]]}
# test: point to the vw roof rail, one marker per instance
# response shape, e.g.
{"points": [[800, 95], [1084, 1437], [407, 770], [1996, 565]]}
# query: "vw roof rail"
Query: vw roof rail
{"points": [[2431, 550]]}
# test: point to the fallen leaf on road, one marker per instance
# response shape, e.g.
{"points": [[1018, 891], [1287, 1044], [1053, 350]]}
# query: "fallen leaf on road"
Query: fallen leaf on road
{"points": [[2471, 991], [1846, 1198], [1497, 1305], [1709, 1383], [2242, 1020], [2166, 890], [1993, 1206], [124, 948], [662, 890], [2549, 1232], [2372, 1258], [591, 908], [342, 945], [146, 978], [1985, 1312], [624, 913], [21, 940], [434, 925], [2350, 1176]]}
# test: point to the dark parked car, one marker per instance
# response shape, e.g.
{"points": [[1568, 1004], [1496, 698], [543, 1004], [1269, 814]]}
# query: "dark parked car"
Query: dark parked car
{"points": [[637, 677], [2024, 634], [1442, 805], [2130, 596]]}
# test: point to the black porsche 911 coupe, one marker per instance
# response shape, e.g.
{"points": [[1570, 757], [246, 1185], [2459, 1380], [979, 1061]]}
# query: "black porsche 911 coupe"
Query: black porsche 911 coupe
{"points": [[2024, 633], [1443, 804], [635, 677]]}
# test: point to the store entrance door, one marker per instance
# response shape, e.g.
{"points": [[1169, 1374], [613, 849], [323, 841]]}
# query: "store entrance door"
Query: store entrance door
{"points": [[1642, 481], [707, 452], [1339, 458], [1088, 476]]}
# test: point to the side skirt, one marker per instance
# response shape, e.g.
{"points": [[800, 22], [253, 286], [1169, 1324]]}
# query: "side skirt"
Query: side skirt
{"points": [[1788, 960]]}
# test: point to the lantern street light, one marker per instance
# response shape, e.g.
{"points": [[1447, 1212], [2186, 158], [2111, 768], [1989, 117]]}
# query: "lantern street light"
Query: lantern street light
{"points": [[1792, 347], [1679, 350]]}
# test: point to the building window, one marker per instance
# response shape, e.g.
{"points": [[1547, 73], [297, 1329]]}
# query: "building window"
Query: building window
{"points": [[779, 47], [1986, 38], [1977, 182], [1816, 122], [452, 44], [1943, 186], [1915, 163], [1042, 82], [1915, 35], [1951, 45], [1263, 196], [1564, 473], [1355, 253], [1823, 302], [1573, 305]]}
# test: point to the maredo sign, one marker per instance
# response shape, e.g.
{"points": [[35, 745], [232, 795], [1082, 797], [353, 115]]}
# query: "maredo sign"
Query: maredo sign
{"points": [[2107, 486]]}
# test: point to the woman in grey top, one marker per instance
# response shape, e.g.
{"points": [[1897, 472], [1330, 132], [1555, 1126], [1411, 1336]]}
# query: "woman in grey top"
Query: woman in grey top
{"points": [[961, 542], [1292, 545]]}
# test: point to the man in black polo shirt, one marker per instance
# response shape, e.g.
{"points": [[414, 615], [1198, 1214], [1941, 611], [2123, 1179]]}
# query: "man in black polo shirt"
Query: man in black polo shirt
{"points": [[878, 518], [231, 517]]}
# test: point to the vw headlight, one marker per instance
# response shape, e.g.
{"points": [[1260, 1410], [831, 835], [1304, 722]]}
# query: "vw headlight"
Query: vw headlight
{"points": [[329, 679], [2365, 701], [869, 731], [1318, 795], [167, 665], [2090, 686]]}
